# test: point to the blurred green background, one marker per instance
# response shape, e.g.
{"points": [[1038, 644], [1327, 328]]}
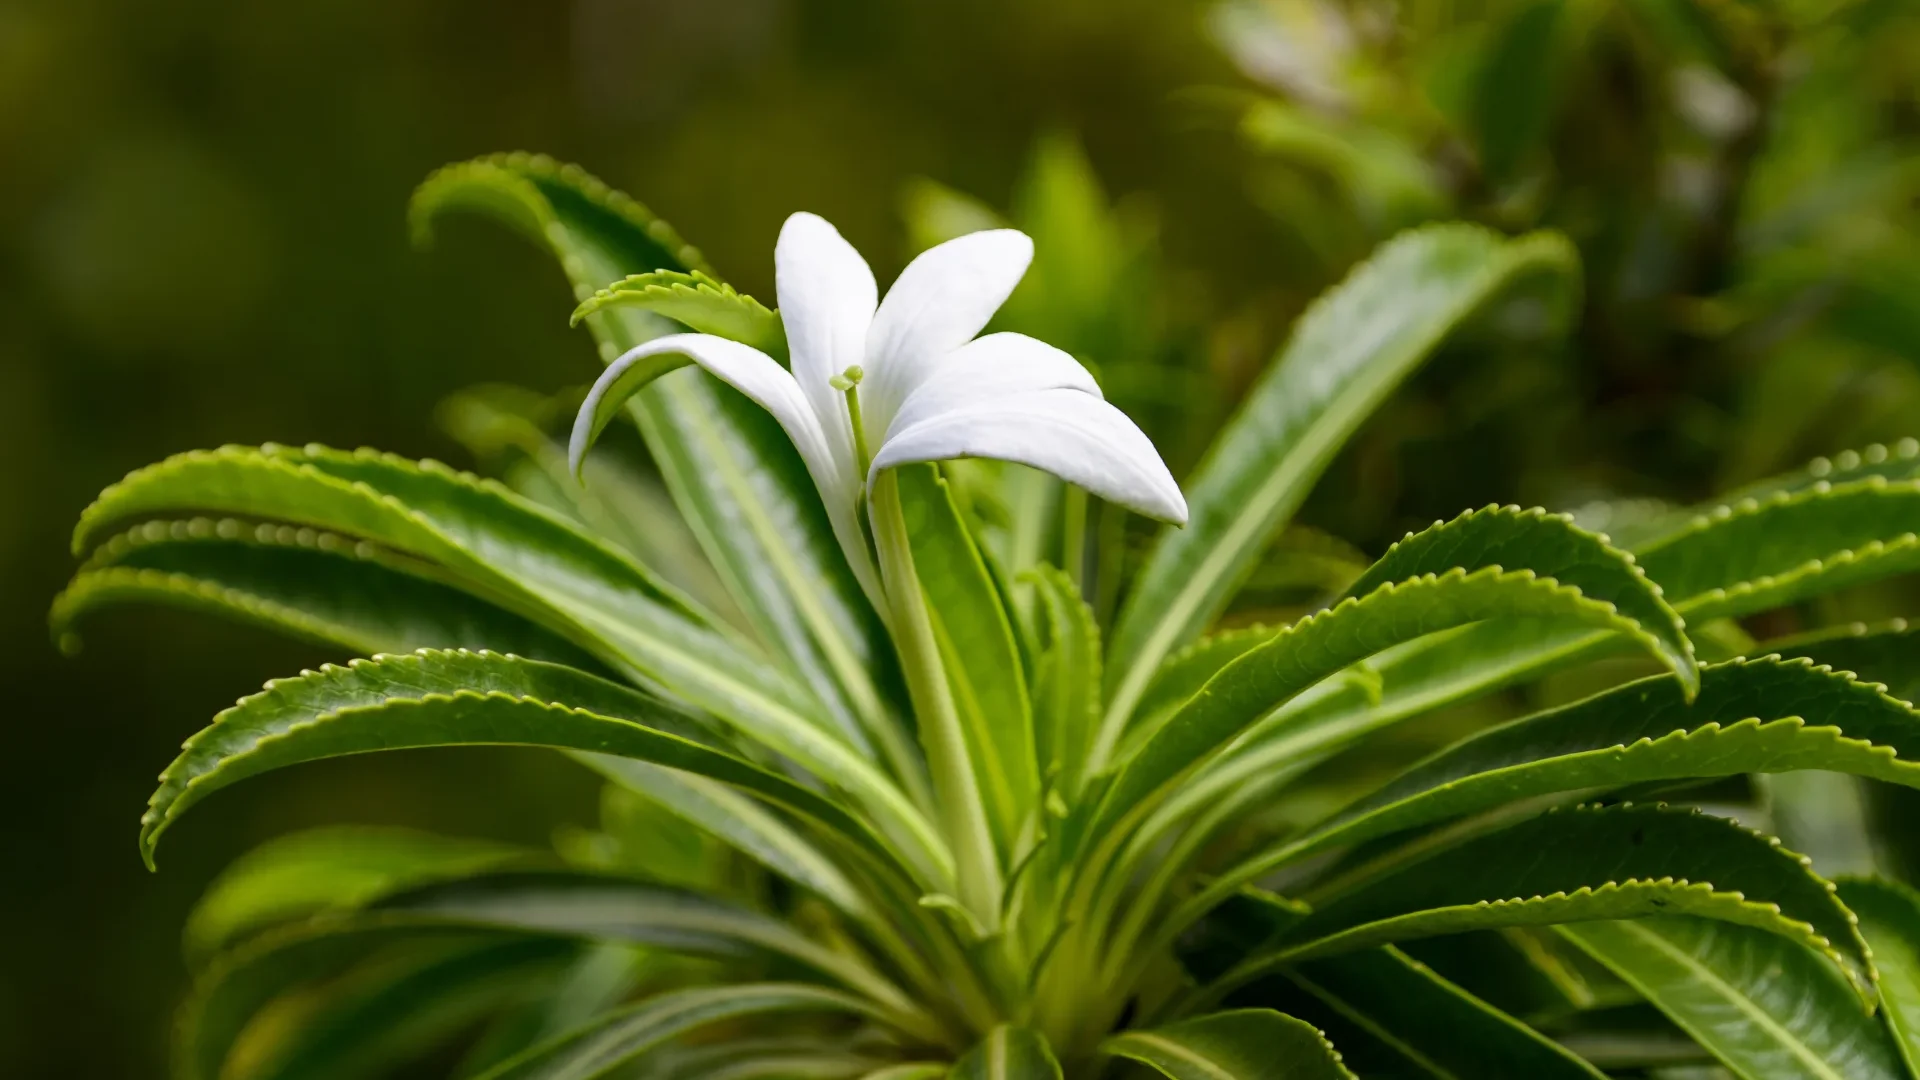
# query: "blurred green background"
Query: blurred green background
{"points": [[203, 240]]}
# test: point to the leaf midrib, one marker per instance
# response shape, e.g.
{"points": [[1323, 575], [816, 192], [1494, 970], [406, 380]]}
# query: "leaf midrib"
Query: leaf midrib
{"points": [[1731, 994]]}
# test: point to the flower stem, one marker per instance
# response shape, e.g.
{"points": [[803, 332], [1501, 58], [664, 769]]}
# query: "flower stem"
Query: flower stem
{"points": [[962, 813]]}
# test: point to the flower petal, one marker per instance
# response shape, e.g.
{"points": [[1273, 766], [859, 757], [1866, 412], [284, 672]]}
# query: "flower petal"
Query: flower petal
{"points": [[1069, 433], [762, 379], [941, 300], [827, 297], [989, 368]]}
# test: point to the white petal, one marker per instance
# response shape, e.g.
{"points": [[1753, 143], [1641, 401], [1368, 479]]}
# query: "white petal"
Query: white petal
{"points": [[761, 378], [827, 297], [992, 367], [941, 300], [1073, 435]]}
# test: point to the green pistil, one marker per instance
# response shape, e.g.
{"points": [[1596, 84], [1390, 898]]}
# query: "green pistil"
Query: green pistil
{"points": [[848, 383]]}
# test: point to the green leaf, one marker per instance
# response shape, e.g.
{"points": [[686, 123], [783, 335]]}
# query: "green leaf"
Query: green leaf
{"points": [[1765, 1006], [620, 909], [305, 873], [746, 824], [1244, 1044], [503, 546], [1008, 1053], [1887, 653], [732, 471], [1187, 670], [977, 650], [1571, 866], [1433, 1024], [1752, 716], [465, 698], [390, 1015], [697, 302], [1551, 546], [1347, 354], [239, 984], [1889, 915], [314, 585], [1067, 684], [1762, 553], [1327, 642], [601, 1048]]}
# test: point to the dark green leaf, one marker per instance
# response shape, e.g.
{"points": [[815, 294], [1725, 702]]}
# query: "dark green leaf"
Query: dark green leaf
{"points": [[1245, 1044], [1890, 921], [606, 1045], [313, 585], [304, 873], [1768, 1008], [1067, 687], [462, 698], [1571, 866]]}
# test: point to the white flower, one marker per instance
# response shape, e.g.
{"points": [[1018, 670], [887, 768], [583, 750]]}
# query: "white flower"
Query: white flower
{"points": [[926, 388]]}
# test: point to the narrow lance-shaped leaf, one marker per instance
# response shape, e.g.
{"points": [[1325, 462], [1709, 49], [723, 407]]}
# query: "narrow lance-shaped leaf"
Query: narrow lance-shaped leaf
{"points": [[461, 698], [733, 472], [1887, 653], [609, 1044], [300, 581], [1768, 1008], [1752, 716], [1760, 553], [1890, 921], [1436, 594], [329, 869], [1572, 866], [1347, 354], [696, 301], [1244, 1044]]}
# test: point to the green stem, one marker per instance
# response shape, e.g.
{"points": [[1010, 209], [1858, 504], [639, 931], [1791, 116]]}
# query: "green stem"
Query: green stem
{"points": [[963, 815]]}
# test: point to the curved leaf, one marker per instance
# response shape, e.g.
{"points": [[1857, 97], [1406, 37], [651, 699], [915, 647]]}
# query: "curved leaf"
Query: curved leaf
{"points": [[620, 909], [606, 1045], [1887, 653], [396, 1014], [1431, 1022], [697, 302], [1752, 716], [1244, 1044], [508, 547], [749, 826], [314, 585], [1578, 865], [463, 698], [1327, 642], [1762, 553], [1766, 1007], [240, 983], [337, 868], [1008, 1053], [733, 473], [1890, 921], [1347, 354], [1551, 546]]}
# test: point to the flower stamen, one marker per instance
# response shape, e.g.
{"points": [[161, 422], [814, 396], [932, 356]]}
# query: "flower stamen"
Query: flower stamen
{"points": [[848, 383]]}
